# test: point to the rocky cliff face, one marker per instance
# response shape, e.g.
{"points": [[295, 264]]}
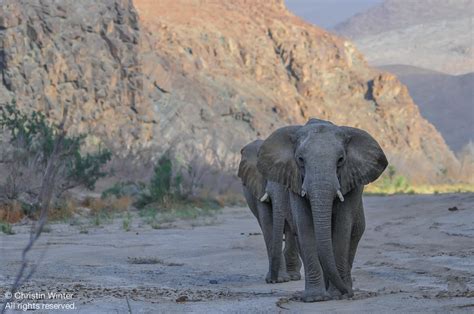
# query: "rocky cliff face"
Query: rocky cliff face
{"points": [[445, 100], [202, 77]]}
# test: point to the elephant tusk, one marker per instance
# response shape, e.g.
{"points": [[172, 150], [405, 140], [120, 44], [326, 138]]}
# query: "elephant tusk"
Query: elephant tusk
{"points": [[264, 197], [303, 193], [339, 194]]}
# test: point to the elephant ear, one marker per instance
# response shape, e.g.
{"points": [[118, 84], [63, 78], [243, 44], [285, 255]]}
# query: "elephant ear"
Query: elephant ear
{"points": [[276, 158], [318, 121], [248, 171], [365, 159]]}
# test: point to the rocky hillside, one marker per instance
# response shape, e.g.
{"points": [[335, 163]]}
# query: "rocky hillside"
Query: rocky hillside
{"points": [[399, 14], [432, 34], [202, 78], [445, 100]]}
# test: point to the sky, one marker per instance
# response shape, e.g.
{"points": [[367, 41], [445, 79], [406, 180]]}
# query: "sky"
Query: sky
{"points": [[328, 13]]}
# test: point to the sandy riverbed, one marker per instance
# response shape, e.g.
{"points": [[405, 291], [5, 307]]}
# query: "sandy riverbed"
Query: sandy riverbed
{"points": [[415, 256]]}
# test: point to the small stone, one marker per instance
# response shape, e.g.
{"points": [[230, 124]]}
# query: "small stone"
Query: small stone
{"points": [[453, 209], [213, 282], [181, 299]]}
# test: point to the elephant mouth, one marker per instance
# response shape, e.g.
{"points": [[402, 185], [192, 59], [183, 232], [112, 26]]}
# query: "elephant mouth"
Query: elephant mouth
{"points": [[303, 194]]}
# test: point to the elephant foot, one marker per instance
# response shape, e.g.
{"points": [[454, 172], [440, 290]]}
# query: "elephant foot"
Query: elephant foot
{"points": [[297, 296], [334, 293], [337, 295], [311, 296], [294, 275], [282, 277], [315, 296], [349, 294]]}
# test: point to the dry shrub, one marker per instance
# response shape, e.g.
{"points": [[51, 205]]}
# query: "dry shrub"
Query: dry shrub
{"points": [[110, 204], [96, 205], [11, 212], [64, 209], [131, 168], [201, 180], [230, 199], [120, 204]]}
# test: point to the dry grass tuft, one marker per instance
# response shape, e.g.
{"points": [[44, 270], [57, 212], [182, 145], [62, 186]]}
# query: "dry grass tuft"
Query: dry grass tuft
{"points": [[64, 210], [96, 205], [109, 204], [120, 204], [230, 199], [11, 212]]}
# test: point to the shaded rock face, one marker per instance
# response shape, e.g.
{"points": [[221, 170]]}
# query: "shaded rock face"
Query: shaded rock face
{"points": [[445, 100], [202, 78]]}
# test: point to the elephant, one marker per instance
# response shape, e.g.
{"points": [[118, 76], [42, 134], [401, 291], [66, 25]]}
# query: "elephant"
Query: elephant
{"points": [[325, 168], [269, 202]]}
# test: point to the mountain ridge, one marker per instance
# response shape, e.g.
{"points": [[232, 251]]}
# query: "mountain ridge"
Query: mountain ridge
{"points": [[399, 14], [406, 32]]}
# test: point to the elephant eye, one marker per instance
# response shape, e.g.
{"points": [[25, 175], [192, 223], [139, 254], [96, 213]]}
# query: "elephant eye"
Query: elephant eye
{"points": [[340, 161], [301, 160]]}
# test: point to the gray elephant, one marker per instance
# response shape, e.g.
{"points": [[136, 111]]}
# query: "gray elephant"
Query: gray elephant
{"points": [[269, 202], [325, 167]]}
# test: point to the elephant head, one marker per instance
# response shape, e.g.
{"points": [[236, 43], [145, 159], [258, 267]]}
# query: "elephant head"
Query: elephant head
{"points": [[248, 171], [322, 162]]}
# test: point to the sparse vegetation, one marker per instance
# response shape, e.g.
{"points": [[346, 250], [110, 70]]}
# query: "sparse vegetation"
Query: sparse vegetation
{"points": [[126, 222], [163, 188], [27, 146], [392, 183], [6, 228], [123, 189]]}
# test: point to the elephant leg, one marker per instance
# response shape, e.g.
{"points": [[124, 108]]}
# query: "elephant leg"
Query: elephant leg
{"points": [[264, 212], [341, 240], [346, 233], [293, 263], [358, 229], [280, 207], [315, 288]]}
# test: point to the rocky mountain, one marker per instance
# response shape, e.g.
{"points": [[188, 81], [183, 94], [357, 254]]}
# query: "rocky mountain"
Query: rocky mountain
{"points": [[202, 77], [445, 100], [400, 14], [432, 34]]}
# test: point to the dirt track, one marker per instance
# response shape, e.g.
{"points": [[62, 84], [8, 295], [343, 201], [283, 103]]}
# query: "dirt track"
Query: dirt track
{"points": [[415, 256]]}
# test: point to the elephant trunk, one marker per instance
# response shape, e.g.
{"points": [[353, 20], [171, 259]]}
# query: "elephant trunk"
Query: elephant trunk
{"points": [[321, 199]]}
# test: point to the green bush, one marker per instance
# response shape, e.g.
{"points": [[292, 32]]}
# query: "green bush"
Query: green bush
{"points": [[163, 186], [6, 228], [27, 146]]}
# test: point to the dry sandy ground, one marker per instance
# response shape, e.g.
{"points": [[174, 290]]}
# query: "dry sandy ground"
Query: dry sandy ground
{"points": [[415, 256]]}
